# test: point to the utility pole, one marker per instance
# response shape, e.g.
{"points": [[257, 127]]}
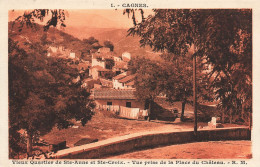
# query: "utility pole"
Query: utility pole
{"points": [[195, 96]]}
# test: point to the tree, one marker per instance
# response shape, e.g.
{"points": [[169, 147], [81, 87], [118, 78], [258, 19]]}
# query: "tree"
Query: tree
{"points": [[41, 94], [179, 80], [109, 63], [222, 37], [108, 75], [90, 40], [172, 77], [149, 83], [92, 44], [109, 44], [29, 17], [178, 84]]}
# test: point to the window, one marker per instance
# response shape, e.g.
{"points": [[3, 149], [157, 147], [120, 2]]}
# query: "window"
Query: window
{"points": [[118, 72], [128, 104], [109, 103]]}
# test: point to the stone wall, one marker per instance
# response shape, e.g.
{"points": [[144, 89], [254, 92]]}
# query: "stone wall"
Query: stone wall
{"points": [[148, 140]]}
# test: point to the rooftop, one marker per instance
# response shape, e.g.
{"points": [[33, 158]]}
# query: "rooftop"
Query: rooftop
{"points": [[114, 94], [121, 65], [120, 76], [127, 79], [103, 56], [99, 68], [130, 83], [83, 65], [104, 50], [126, 59]]}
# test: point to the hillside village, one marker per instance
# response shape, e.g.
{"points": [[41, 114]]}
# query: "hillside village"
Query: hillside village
{"points": [[102, 72], [108, 80], [112, 86]]}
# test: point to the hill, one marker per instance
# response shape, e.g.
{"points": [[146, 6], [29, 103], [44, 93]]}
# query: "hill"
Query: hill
{"points": [[118, 37], [72, 38], [84, 32], [53, 36]]}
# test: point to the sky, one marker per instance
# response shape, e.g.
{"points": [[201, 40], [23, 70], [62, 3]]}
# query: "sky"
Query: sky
{"points": [[103, 18]]}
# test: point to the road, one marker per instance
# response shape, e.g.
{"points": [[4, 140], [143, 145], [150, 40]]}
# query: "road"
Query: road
{"points": [[198, 150]]}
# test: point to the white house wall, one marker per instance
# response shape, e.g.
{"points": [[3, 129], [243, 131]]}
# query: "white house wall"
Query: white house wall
{"points": [[95, 62], [117, 85], [134, 103]]}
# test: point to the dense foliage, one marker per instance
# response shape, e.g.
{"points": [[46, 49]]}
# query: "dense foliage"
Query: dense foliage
{"points": [[109, 45], [221, 38], [42, 94]]}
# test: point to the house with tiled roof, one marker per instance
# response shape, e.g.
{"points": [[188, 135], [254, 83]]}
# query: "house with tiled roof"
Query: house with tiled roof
{"points": [[127, 79], [106, 83], [130, 84], [123, 81], [120, 76], [116, 83], [114, 94], [121, 101]]}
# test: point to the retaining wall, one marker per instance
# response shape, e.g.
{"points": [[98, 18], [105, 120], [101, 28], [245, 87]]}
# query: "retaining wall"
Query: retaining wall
{"points": [[147, 140]]}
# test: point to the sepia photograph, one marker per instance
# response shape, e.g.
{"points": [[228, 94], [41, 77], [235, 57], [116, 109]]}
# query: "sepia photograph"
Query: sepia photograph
{"points": [[130, 83]]}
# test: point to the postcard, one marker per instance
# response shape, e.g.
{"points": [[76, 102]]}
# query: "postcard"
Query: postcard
{"points": [[147, 83]]}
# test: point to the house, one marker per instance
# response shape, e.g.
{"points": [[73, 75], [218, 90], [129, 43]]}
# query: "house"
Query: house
{"points": [[126, 56], [130, 85], [97, 72], [61, 51], [122, 101], [106, 83], [103, 60], [120, 67], [98, 61], [116, 84], [72, 55], [57, 51], [89, 83], [54, 49], [119, 97], [123, 81], [104, 50], [117, 58], [127, 82]]}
